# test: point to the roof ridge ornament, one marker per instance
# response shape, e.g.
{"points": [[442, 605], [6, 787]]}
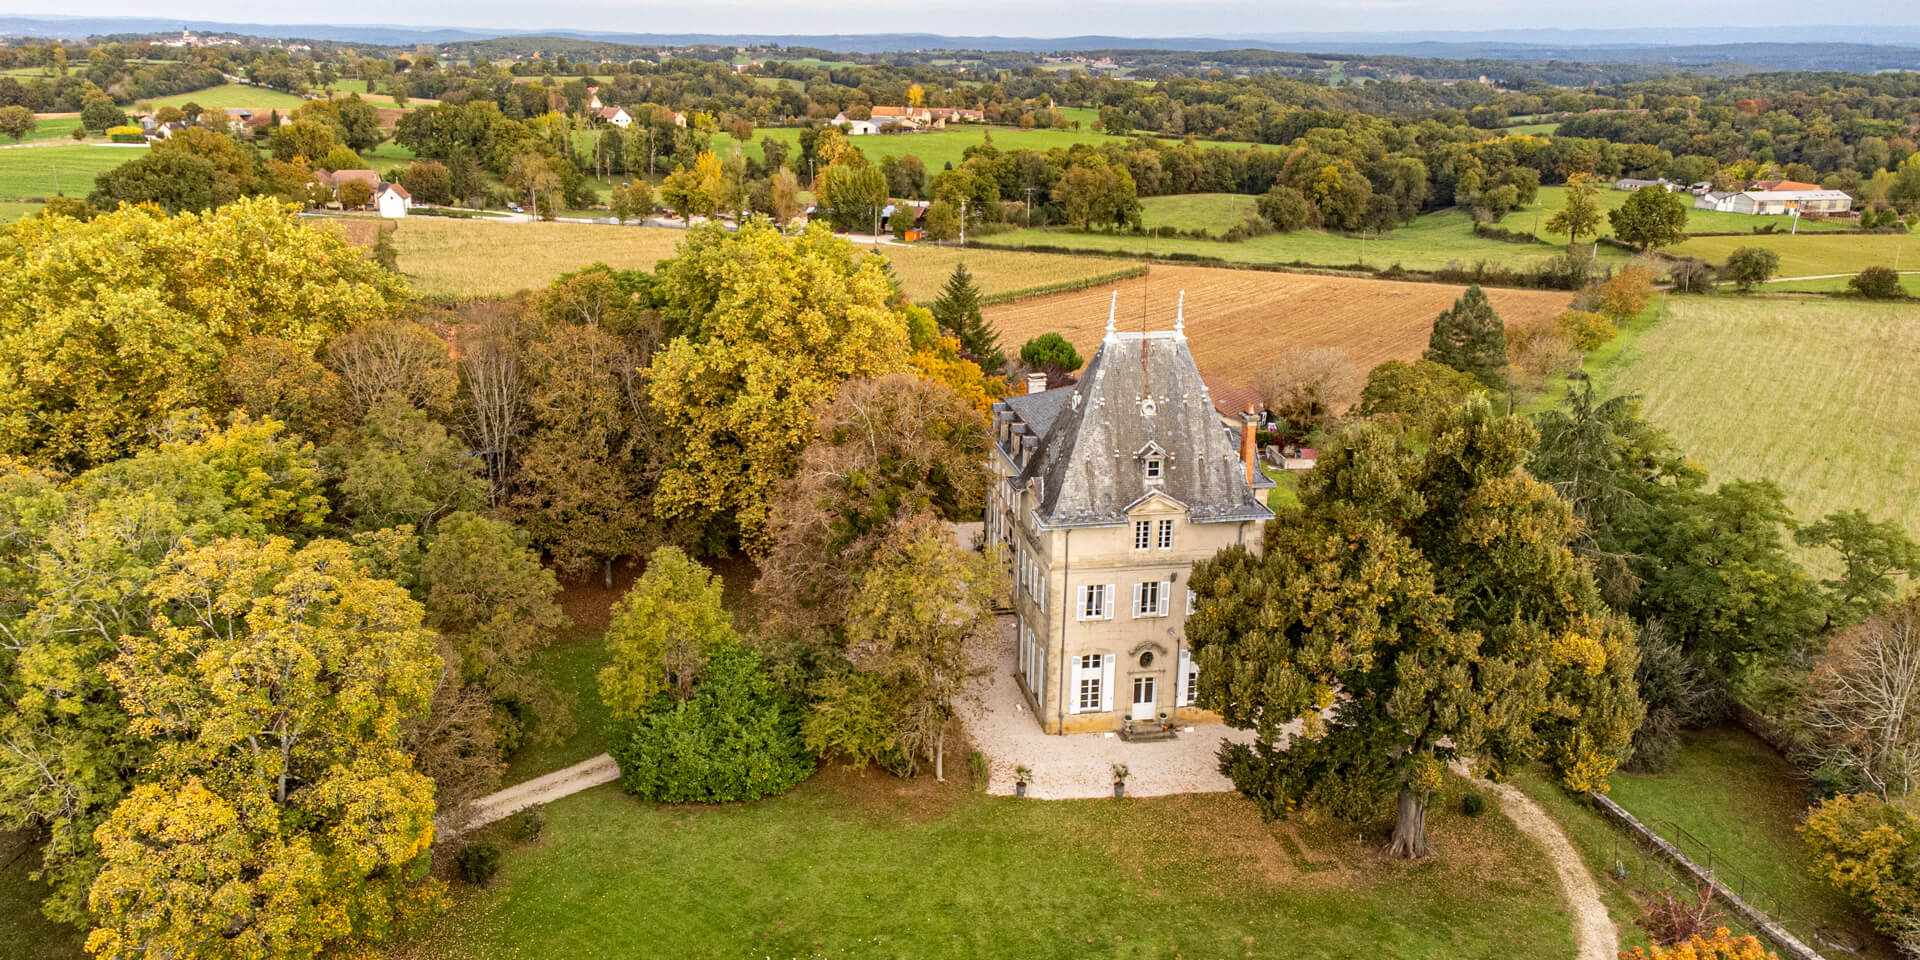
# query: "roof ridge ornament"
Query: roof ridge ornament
{"points": [[1113, 306], [1180, 317]]}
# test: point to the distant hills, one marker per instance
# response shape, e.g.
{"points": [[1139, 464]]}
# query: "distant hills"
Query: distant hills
{"points": [[1856, 48]]}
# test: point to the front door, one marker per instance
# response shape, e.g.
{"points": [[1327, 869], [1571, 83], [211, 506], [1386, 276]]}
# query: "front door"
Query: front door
{"points": [[1143, 699]]}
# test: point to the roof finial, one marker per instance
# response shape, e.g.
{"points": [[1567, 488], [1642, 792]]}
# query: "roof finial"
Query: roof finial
{"points": [[1112, 306], [1180, 315]]}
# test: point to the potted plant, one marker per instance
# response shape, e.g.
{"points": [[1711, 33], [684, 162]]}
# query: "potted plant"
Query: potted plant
{"points": [[1120, 774], [1021, 774]]}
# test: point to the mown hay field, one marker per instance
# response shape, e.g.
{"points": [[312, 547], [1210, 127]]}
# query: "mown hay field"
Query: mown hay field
{"points": [[475, 258], [232, 96], [1817, 395], [1239, 321], [1810, 255]]}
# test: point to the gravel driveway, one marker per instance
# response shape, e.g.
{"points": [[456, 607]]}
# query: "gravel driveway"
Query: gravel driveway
{"points": [[1080, 766]]}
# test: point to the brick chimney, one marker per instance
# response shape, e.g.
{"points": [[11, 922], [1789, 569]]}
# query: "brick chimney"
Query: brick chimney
{"points": [[1248, 448], [1036, 382]]}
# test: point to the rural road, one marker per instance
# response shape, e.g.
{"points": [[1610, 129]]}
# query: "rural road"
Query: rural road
{"points": [[544, 789]]}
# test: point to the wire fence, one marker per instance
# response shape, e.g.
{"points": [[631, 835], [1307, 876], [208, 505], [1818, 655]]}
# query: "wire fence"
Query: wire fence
{"points": [[1638, 862]]}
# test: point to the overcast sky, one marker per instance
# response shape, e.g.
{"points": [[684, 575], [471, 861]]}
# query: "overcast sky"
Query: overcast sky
{"points": [[1155, 18]]}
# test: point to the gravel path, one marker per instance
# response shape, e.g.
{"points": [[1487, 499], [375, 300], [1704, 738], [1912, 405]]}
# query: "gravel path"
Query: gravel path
{"points": [[1593, 931], [539, 790], [1080, 766]]}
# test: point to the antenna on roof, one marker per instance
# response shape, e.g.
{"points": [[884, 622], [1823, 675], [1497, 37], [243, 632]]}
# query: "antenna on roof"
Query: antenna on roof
{"points": [[1180, 315]]}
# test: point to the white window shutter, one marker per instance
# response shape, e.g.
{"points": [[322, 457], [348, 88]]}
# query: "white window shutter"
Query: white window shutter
{"points": [[1112, 589], [1106, 682], [1080, 603], [1191, 597], [1073, 686], [1136, 597], [1180, 678]]}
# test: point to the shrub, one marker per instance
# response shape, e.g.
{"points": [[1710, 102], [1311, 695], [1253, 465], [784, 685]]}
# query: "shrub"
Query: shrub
{"points": [[1588, 331], [1624, 295], [1691, 275], [977, 765], [478, 862], [1673, 919], [736, 738], [1748, 267], [1877, 283], [1722, 946], [1868, 849], [531, 823], [127, 134], [1474, 803], [1286, 208]]}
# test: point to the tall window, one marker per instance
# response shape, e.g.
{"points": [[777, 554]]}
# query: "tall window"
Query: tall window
{"points": [[1090, 675], [1153, 468], [1094, 602], [1149, 599], [1142, 534], [1166, 535], [1193, 685]]}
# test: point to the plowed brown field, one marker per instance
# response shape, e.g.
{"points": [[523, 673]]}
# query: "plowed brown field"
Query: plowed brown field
{"points": [[1238, 321]]}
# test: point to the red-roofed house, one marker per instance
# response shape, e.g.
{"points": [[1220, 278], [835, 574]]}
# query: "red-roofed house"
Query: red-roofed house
{"points": [[613, 115]]}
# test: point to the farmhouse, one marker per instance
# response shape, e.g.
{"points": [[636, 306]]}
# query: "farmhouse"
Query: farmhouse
{"points": [[855, 128], [1815, 201], [390, 199], [1106, 493], [614, 115]]}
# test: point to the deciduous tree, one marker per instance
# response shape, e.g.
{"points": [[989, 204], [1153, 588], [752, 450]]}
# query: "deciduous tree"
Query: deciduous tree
{"points": [[282, 817], [1581, 216], [108, 327], [1652, 217], [1403, 637], [764, 327]]}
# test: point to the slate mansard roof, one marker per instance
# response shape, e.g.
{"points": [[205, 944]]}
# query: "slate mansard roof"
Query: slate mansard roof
{"points": [[1086, 461]]}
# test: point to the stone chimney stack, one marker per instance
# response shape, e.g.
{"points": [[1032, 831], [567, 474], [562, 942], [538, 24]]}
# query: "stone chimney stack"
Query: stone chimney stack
{"points": [[1036, 382], [1249, 454]]}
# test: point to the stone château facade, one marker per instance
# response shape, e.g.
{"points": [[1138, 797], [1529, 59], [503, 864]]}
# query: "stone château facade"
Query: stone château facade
{"points": [[1107, 491]]}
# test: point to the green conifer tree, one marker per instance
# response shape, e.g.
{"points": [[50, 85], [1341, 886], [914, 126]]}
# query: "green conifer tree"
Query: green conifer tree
{"points": [[957, 311], [1471, 339]]}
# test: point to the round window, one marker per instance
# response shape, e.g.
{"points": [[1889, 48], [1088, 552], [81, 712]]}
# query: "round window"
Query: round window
{"points": [[1146, 659]]}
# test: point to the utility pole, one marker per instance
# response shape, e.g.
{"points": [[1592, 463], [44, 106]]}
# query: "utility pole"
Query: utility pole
{"points": [[1029, 208], [963, 221]]}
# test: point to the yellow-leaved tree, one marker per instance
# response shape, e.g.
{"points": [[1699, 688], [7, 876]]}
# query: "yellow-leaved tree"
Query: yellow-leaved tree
{"points": [[109, 326], [761, 328], [280, 816]]}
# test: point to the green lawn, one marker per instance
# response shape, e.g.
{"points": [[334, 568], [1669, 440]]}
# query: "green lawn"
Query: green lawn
{"points": [[1533, 129], [1740, 798], [572, 665], [873, 867], [1816, 394], [1215, 213], [12, 210], [234, 95], [50, 128], [1533, 217], [1804, 255], [1430, 242], [39, 172], [1909, 281]]}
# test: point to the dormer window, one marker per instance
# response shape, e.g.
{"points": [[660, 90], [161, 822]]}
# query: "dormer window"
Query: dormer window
{"points": [[1155, 468]]}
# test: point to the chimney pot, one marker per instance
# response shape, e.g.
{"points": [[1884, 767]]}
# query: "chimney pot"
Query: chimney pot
{"points": [[1248, 453], [1036, 382]]}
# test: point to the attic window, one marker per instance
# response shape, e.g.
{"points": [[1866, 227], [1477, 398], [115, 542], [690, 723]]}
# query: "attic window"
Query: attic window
{"points": [[1155, 466]]}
